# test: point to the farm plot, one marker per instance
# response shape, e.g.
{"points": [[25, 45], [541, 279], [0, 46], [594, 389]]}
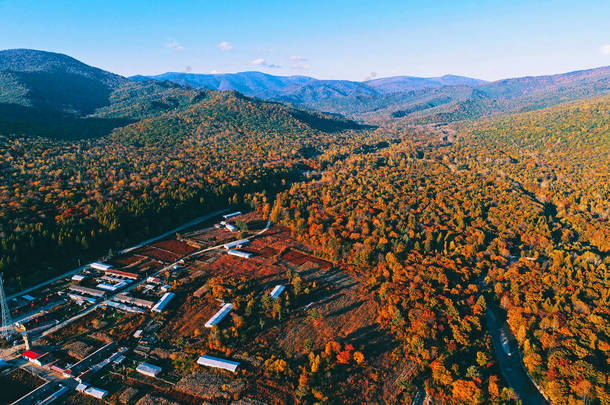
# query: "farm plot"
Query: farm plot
{"points": [[162, 255], [175, 246]]}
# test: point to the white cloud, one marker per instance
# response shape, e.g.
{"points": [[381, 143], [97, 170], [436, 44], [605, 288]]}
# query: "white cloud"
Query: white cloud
{"points": [[224, 46], [175, 46], [300, 66], [263, 62], [605, 49], [215, 72], [298, 58]]}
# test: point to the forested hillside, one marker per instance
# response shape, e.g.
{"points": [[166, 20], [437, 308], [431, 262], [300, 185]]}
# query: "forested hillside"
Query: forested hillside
{"points": [[515, 211], [71, 200], [241, 123], [53, 95]]}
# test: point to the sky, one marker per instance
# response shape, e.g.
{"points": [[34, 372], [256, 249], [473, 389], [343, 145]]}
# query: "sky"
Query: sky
{"points": [[326, 39]]}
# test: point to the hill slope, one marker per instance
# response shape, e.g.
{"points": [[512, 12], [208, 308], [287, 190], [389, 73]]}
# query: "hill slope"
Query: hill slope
{"points": [[50, 94], [75, 198], [513, 95], [252, 124]]}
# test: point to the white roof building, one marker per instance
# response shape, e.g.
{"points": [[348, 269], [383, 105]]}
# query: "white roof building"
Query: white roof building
{"points": [[127, 299], [78, 277], [148, 369], [236, 243], [231, 215], [160, 305], [231, 228], [81, 298], [96, 392], [81, 387], [87, 291], [239, 253], [218, 316], [125, 308], [277, 290], [216, 362], [112, 287], [100, 266]]}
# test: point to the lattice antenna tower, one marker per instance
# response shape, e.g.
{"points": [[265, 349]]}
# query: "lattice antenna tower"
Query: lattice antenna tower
{"points": [[7, 323]]}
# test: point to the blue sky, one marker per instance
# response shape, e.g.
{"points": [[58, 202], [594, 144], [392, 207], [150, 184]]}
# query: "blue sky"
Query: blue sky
{"points": [[329, 39]]}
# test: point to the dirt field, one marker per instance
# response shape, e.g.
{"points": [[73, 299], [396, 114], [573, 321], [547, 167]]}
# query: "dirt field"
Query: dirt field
{"points": [[157, 254], [298, 258], [125, 261], [175, 246]]}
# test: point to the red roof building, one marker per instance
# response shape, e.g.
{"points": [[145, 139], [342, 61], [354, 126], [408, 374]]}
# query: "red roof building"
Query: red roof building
{"points": [[31, 354]]}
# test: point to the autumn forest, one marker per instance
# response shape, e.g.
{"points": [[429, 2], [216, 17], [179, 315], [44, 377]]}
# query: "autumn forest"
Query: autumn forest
{"points": [[453, 217]]}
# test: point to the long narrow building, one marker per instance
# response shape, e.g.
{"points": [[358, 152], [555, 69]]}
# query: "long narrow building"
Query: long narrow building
{"points": [[160, 305], [240, 253], [216, 362], [87, 291], [277, 290], [127, 299], [218, 316]]}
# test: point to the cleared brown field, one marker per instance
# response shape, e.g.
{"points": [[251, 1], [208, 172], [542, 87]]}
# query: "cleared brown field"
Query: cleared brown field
{"points": [[256, 268], [175, 246], [126, 260], [298, 258], [190, 318], [210, 237], [158, 254], [265, 252]]}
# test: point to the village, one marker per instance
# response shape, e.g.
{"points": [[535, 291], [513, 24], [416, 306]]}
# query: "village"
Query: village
{"points": [[171, 320]]}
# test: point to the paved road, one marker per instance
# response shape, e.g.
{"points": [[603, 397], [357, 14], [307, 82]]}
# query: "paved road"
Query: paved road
{"points": [[166, 234], [511, 366]]}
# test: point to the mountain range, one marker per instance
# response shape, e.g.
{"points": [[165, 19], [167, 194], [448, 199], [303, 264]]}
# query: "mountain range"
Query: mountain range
{"points": [[306, 90], [51, 94], [442, 98], [57, 96], [263, 85]]}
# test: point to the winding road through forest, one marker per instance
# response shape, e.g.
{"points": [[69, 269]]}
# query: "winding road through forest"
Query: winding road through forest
{"points": [[509, 359]]}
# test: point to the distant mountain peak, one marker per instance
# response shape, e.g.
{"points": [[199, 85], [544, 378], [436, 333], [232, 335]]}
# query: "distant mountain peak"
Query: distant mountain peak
{"points": [[32, 60], [306, 90]]}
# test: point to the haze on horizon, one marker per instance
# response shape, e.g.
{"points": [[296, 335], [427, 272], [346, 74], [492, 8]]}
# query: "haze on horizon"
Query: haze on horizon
{"points": [[353, 40]]}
